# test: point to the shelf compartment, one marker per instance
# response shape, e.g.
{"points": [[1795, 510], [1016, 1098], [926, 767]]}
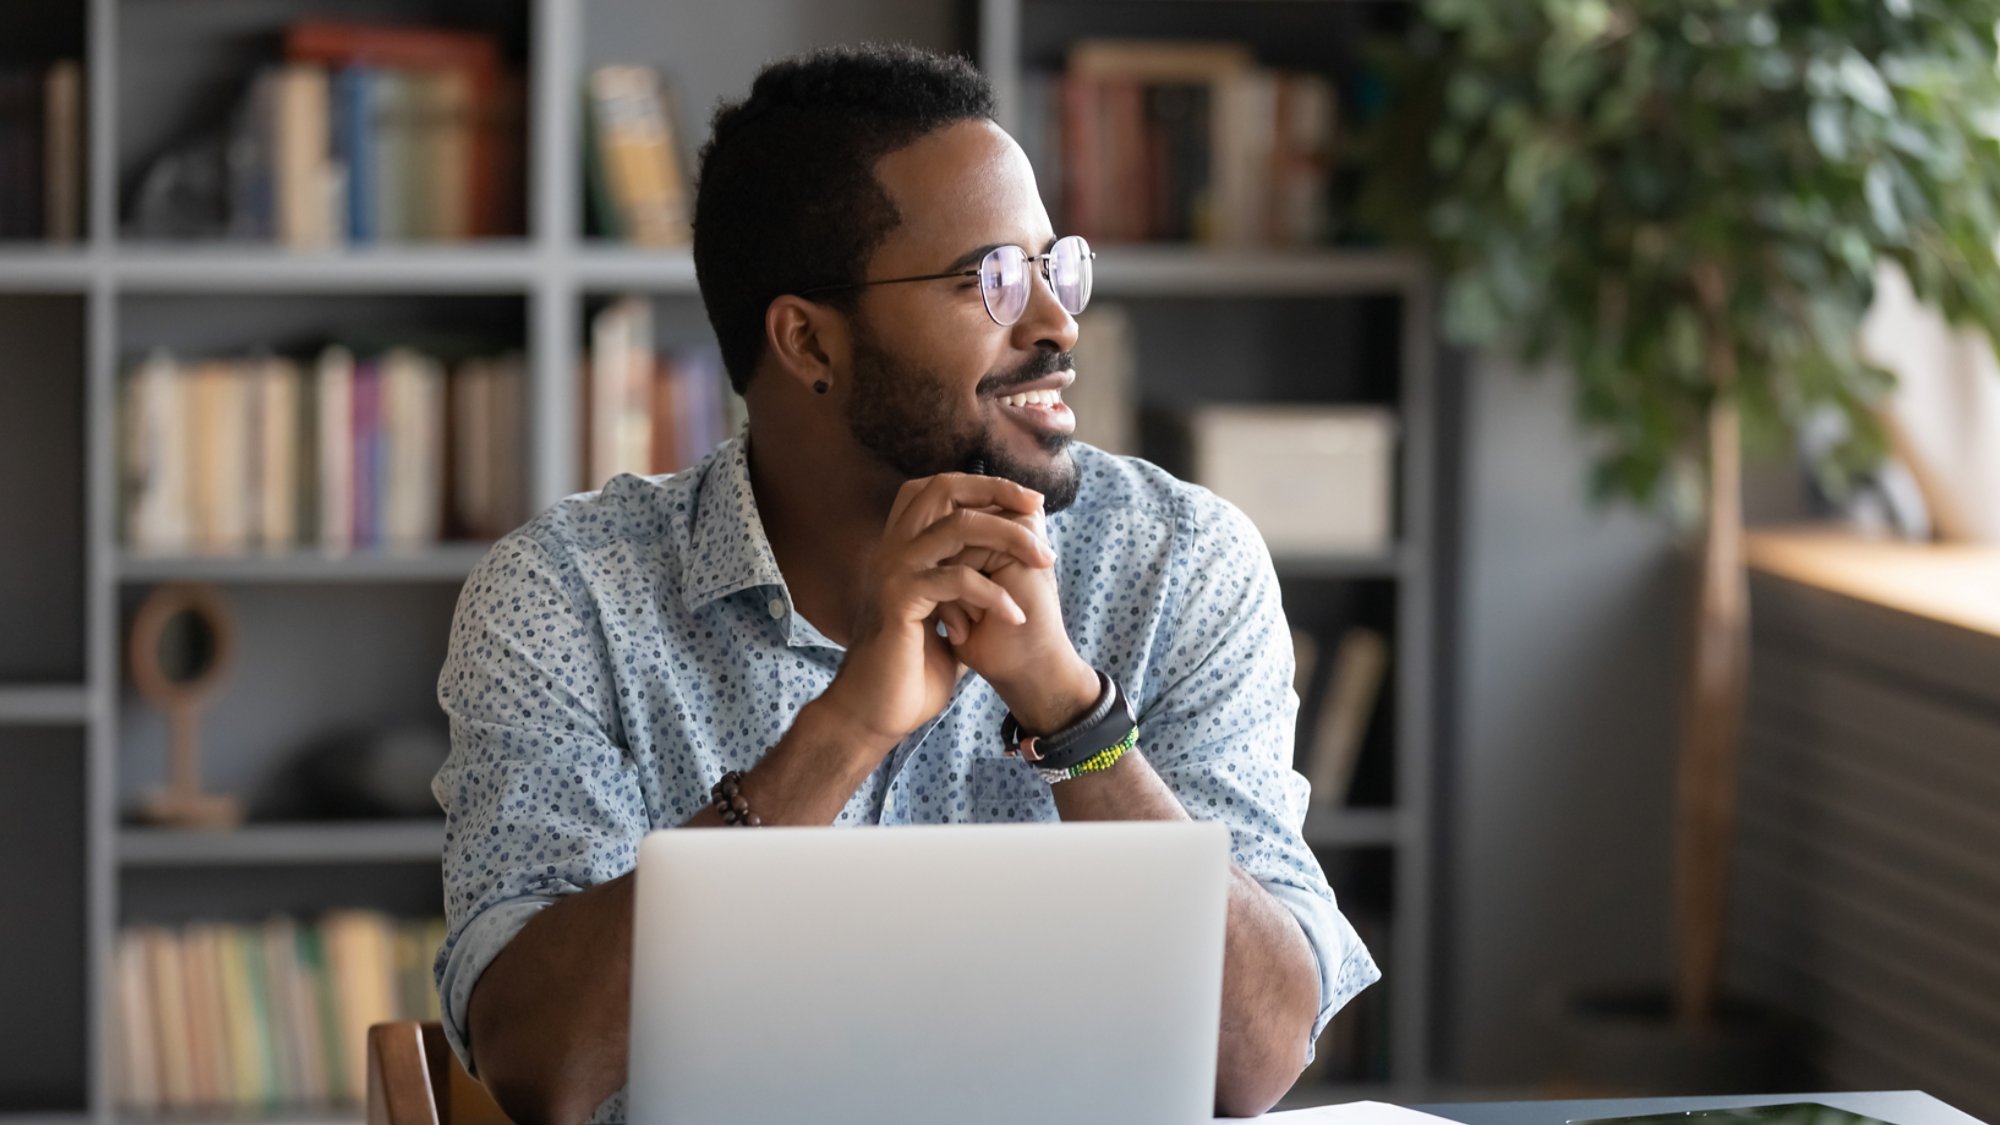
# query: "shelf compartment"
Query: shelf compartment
{"points": [[42, 490], [321, 674], [183, 70], [42, 771], [305, 842]]}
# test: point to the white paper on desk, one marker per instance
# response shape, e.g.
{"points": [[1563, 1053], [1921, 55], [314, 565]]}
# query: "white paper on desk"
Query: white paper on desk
{"points": [[1351, 1113]]}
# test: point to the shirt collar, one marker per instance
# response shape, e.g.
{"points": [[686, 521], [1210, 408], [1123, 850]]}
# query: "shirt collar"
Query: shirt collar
{"points": [[729, 550]]}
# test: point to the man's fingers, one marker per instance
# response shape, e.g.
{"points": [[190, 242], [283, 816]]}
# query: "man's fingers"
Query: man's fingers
{"points": [[943, 584], [956, 621], [965, 528], [921, 503]]}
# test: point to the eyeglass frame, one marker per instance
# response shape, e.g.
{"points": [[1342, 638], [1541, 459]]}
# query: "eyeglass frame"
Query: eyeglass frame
{"points": [[1044, 258]]}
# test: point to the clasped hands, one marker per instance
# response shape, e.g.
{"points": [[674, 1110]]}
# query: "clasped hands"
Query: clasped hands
{"points": [[970, 554]]}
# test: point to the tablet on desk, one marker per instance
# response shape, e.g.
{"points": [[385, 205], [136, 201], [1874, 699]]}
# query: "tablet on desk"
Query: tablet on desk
{"points": [[1791, 1113]]}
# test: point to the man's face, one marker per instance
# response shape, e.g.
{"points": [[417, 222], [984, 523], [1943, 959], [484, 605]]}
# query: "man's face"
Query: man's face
{"points": [[930, 367]]}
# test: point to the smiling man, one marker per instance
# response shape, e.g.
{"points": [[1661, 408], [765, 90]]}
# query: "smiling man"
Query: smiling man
{"points": [[830, 621]]}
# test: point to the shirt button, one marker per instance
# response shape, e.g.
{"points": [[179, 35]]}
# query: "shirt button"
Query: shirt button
{"points": [[777, 608]]}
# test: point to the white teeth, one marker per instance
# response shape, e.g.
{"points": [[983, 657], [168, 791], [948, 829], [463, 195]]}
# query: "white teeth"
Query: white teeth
{"points": [[1033, 398]]}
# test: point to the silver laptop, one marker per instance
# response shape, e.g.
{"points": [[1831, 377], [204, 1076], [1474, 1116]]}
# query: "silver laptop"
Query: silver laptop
{"points": [[1062, 973]]}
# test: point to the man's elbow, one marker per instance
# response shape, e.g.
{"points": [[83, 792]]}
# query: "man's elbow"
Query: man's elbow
{"points": [[528, 1081], [1251, 1084]]}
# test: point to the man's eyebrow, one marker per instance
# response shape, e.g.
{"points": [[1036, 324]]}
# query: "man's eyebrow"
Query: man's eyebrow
{"points": [[971, 257]]}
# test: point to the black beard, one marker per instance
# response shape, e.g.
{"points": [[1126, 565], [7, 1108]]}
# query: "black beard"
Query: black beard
{"points": [[903, 416]]}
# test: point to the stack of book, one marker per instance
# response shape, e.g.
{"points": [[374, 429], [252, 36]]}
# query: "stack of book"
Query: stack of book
{"points": [[637, 179], [41, 152], [1349, 690], [1187, 141], [252, 1018], [335, 452], [371, 134], [647, 411]]}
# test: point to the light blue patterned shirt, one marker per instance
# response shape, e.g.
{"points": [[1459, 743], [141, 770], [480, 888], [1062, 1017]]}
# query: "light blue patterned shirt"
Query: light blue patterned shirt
{"points": [[610, 660]]}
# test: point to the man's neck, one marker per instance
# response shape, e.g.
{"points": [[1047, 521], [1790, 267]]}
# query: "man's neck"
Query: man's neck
{"points": [[823, 523]]}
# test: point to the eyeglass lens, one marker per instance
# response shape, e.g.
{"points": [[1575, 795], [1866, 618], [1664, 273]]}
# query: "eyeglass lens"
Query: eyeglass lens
{"points": [[1006, 286]]}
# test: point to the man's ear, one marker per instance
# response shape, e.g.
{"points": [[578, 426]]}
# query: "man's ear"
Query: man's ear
{"points": [[808, 342]]}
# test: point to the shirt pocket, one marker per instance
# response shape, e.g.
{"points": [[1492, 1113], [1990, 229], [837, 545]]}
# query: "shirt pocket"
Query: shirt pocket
{"points": [[1008, 790]]}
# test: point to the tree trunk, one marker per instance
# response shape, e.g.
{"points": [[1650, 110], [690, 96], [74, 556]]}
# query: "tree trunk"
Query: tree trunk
{"points": [[1716, 685]]}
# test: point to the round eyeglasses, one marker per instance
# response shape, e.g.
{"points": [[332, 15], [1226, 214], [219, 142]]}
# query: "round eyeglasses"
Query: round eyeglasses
{"points": [[1005, 283]]}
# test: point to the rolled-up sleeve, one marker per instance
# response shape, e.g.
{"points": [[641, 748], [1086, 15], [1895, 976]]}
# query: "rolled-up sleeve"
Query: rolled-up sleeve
{"points": [[540, 797], [1217, 725]]}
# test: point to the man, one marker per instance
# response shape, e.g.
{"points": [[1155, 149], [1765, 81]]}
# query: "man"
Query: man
{"points": [[827, 621]]}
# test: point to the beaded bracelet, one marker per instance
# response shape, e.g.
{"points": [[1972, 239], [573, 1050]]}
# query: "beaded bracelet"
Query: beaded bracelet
{"points": [[732, 804], [1097, 763]]}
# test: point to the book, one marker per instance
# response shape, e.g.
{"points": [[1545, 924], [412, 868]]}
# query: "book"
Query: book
{"points": [[637, 172], [619, 390], [1359, 665], [334, 391], [481, 165], [62, 153], [1184, 141], [250, 1019], [355, 140], [303, 144], [173, 1018], [134, 1060]]}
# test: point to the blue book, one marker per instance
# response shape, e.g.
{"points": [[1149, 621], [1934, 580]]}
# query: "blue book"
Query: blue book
{"points": [[354, 143]]}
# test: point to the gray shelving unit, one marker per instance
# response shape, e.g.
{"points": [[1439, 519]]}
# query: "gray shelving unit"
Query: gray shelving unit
{"points": [[360, 637]]}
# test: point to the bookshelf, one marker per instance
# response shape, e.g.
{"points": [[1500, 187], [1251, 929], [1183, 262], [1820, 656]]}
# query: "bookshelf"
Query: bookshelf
{"points": [[330, 639]]}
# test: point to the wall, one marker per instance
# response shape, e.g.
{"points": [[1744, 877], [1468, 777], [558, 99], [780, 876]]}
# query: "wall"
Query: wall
{"points": [[1564, 655]]}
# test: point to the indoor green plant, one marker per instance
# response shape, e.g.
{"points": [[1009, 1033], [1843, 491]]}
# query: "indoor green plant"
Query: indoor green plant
{"points": [[1684, 204]]}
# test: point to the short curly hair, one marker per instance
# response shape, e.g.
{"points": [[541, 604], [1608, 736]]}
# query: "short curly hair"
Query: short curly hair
{"points": [[787, 197]]}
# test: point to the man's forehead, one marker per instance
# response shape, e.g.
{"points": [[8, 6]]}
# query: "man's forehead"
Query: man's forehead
{"points": [[960, 187]]}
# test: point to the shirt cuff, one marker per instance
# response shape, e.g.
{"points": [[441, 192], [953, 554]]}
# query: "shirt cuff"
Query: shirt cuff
{"points": [[478, 944], [1345, 966]]}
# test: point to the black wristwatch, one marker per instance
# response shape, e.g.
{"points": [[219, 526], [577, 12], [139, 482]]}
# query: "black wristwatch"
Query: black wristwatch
{"points": [[1108, 724]]}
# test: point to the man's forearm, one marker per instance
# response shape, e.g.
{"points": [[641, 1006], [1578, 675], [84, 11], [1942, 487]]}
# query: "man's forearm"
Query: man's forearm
{"points": [[1270, 979], [549, 1018]]}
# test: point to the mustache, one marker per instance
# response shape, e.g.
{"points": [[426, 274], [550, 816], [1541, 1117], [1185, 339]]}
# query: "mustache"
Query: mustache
{"points": [[1043, 365]]}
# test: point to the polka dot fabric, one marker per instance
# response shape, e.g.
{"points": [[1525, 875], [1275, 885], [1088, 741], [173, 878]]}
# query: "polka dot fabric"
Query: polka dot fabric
{"points": [[613, 658]]}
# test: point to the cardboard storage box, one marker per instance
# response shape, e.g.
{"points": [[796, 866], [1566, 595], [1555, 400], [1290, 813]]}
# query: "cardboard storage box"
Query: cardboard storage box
{"points": [[1314, 479]]}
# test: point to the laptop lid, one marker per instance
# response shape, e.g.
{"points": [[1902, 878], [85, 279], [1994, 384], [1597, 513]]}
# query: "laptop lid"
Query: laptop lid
{"points": [[1060, 973]]}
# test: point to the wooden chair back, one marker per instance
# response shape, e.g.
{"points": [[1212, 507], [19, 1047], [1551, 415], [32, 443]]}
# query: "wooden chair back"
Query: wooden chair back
{"points": [[415, 1079]]}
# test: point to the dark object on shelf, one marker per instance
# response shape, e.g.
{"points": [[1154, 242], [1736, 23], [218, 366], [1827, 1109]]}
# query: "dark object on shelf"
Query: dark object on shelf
{"points": [[185, 193], [183, 640], [357, 775]]}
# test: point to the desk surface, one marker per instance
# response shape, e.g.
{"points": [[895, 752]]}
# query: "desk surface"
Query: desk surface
{"points": [[1900, 1107]]}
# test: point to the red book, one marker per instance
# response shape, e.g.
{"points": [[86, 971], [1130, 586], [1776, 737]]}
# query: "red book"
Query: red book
{"points": [[336, 44]]}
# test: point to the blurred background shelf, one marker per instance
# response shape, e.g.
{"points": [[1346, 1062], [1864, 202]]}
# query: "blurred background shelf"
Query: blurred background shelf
{"points": [[447, 563], [43, 704], [611, 267], [1384, 564], [170, 268], [44, 269], [1131, 270], [401, 841]]}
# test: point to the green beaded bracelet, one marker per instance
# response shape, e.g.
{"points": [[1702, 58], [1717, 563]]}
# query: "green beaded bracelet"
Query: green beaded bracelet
{"points": [[1097, 763]]}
